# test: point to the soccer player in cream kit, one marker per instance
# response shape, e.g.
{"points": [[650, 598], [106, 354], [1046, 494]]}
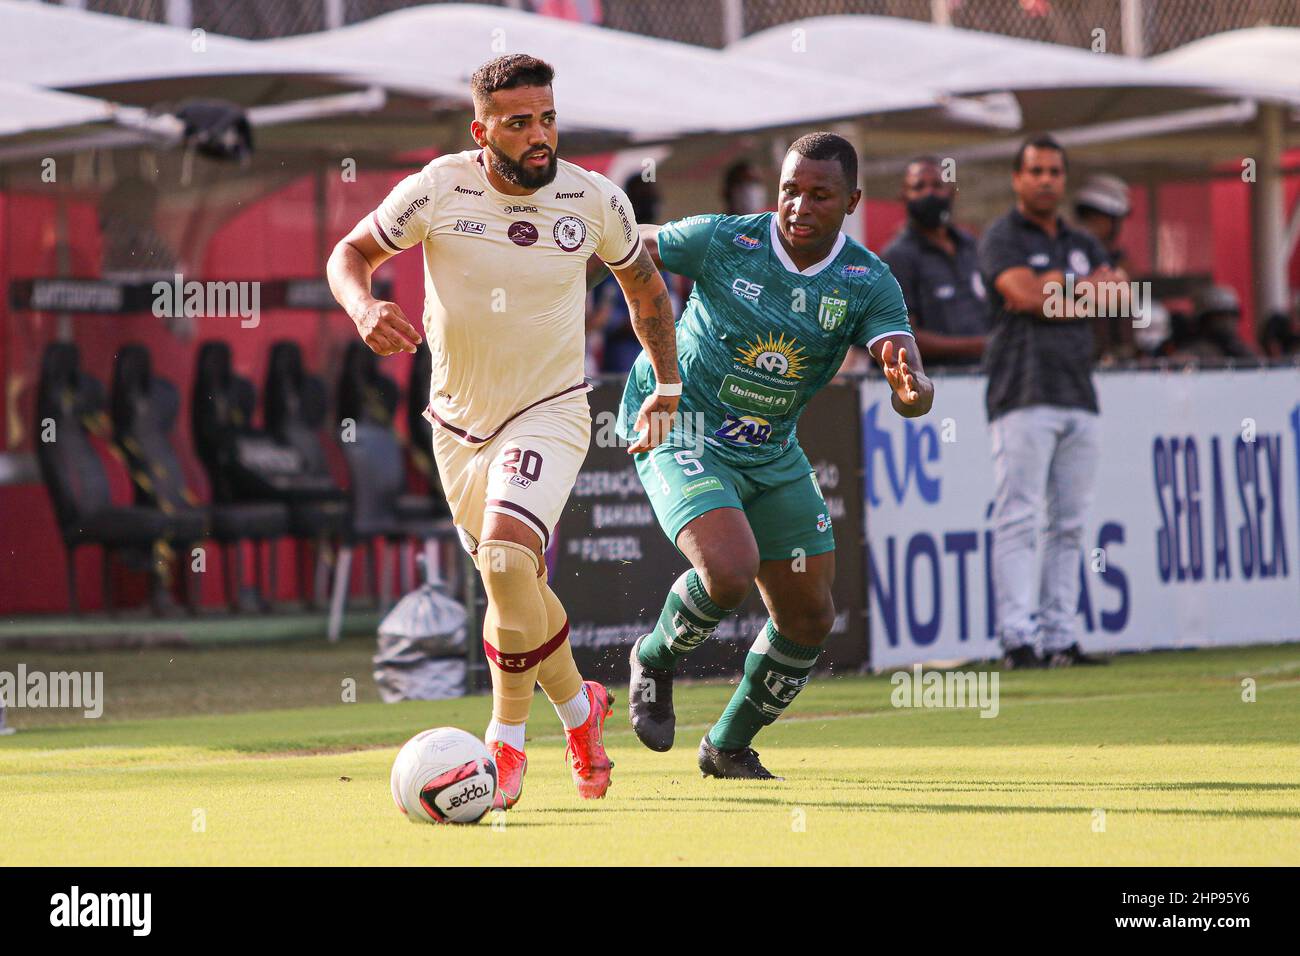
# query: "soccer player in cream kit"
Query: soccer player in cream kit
{"points": [[506, 232]]}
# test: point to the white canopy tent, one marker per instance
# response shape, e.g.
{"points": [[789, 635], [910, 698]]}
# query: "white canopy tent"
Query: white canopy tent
{"points": [[38, 122], [1255, 61], [29, 109], [644, 88], [139, 63], [358, 88], [1055, 86]]}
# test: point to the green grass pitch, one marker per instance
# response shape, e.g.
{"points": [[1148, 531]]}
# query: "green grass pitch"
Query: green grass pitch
{"points": [[248, 756]]}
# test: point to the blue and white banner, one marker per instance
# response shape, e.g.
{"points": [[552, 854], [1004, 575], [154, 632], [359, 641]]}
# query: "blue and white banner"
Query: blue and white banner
{"points": [[1193, 537]]}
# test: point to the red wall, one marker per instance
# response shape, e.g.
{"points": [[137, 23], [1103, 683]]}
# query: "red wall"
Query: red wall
{"points": [[1207, 228], [275, 237]]}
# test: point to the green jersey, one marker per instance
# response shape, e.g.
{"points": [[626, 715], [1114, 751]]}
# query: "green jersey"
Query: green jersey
{"points": [[759, 337]]}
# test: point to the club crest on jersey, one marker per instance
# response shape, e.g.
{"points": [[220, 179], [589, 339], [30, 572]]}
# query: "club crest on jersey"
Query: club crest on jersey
{"points": [[831, 312], [774, 355], [570, 233], [853, 271], [746, 242], [744, 430]]}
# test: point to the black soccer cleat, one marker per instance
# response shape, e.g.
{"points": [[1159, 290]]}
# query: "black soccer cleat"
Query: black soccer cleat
{"points": [[1073, 656], [650, 704], [742, 764], [1022, 658]]}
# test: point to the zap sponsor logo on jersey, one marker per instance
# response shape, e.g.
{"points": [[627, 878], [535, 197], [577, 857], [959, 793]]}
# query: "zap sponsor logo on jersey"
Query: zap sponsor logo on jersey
{"points": [[744, 430], [746, 242]]}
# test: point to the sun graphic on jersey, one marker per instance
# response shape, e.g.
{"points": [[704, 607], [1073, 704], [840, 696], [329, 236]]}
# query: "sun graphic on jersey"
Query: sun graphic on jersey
{"points": [[776, 356]]}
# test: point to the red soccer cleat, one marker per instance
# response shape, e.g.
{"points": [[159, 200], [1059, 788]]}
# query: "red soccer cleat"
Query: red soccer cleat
{"points": [[511, 764], [586, 751]]}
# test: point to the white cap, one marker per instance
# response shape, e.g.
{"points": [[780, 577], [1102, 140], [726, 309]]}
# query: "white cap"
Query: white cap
{"points": [[1106, 194]]}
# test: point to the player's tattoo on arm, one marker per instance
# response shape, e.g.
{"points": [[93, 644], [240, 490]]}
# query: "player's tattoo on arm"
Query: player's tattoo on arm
{"points": [[643, 267], [651, 311], [655, 328]]}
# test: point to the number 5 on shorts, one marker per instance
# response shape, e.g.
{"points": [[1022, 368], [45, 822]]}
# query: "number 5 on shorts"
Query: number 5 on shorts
{"points": [[691, 464]]}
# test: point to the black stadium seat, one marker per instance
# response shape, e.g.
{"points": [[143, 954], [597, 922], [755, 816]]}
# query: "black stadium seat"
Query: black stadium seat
{"points": [[245, 464], [144, 413], [381, 507], [72, 405]]}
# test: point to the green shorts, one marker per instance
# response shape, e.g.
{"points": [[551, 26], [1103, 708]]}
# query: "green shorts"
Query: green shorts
{"points": [[781, 499]]}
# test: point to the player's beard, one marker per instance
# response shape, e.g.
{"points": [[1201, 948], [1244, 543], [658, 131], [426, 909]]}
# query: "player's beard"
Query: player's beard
{"points": [[519, 174]]}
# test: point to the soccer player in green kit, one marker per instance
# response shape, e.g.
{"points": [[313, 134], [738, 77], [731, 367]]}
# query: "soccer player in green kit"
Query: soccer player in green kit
{"points": [[779, 298]]}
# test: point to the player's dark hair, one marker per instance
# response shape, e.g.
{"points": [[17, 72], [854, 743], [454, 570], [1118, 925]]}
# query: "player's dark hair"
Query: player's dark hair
{"points": [[830, 146], [1041, 141], [507, 73]]}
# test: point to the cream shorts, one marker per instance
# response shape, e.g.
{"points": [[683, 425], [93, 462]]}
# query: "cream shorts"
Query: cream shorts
{"points": [[526, 470]]}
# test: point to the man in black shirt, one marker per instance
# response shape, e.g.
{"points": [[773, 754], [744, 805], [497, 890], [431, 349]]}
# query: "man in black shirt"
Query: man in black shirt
{"points": [[1042, 408], [937, 266]]}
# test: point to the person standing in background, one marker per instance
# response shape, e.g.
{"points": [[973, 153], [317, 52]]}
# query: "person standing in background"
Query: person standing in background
{"points": [[1100, 208], [937, 266], [1042, 408], [743, 190]]}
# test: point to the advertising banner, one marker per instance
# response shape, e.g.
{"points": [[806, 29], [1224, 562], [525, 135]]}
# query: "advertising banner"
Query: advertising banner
{"points": [[1193, 537]]}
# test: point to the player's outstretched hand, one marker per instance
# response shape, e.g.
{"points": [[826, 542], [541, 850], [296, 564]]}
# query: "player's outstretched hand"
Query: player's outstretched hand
{"points": [[383, 326], [653, 422], [899, 374]]}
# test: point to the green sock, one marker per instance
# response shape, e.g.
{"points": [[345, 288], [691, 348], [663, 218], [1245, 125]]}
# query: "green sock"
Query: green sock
{"points": [[776, 669], [688, 619]]}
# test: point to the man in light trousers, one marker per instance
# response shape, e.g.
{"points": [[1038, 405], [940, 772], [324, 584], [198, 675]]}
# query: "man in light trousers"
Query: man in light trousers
{"points": [[1042, 409]]}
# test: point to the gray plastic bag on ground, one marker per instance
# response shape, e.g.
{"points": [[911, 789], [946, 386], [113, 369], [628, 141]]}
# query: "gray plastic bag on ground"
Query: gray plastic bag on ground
{"points": [[422, 645]]}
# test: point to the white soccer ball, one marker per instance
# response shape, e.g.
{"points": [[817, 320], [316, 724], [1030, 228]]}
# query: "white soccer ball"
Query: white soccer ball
{"points": [[444, 775]]}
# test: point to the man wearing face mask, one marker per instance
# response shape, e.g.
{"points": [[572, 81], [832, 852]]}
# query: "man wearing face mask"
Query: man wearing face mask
{"points": [[938, 267]]}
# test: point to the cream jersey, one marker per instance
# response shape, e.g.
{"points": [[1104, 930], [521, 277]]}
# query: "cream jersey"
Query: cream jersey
{"points": [[504, 283]]}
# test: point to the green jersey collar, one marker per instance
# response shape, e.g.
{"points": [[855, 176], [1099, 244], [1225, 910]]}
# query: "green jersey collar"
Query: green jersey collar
{"points": [[784, 257]]}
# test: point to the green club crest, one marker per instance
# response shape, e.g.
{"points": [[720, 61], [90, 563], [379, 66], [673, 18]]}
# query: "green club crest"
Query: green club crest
{"points": [[831, 312]]}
